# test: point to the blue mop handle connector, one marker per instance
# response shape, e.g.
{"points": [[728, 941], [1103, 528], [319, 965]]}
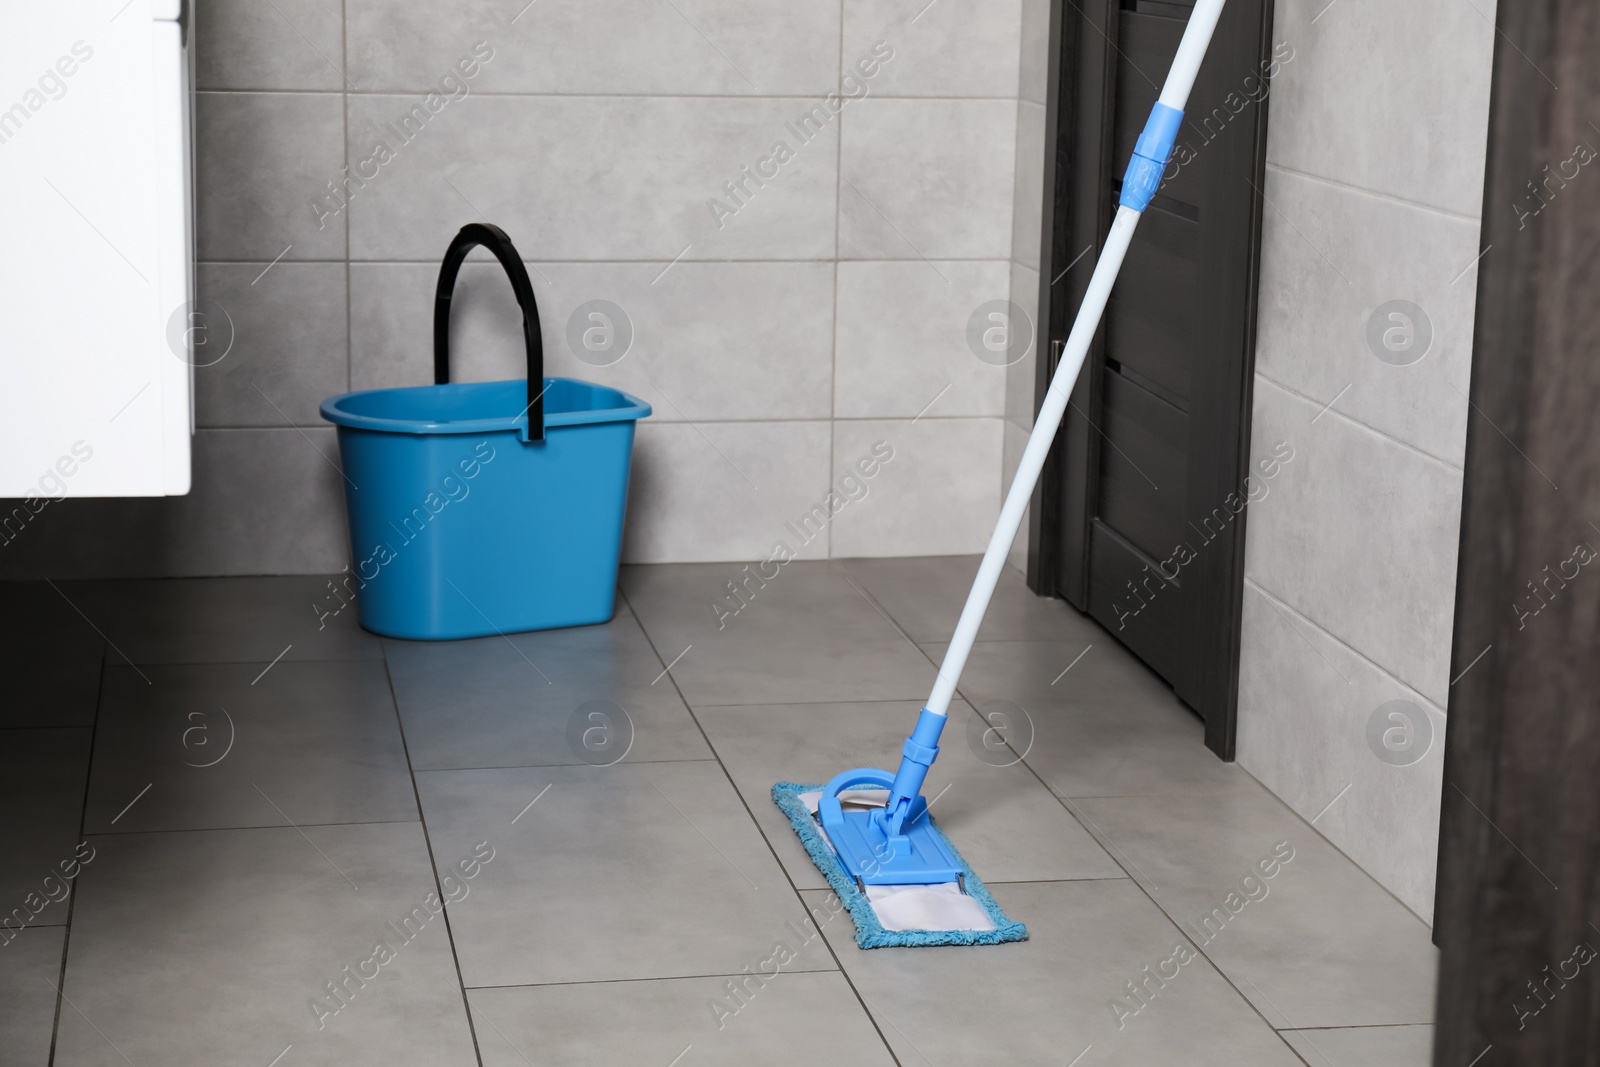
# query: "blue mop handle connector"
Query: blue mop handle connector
{"points": [[1150, 155], [917, 755]]}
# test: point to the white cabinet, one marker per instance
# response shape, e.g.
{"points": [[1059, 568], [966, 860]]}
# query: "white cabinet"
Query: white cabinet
{"points": [[96, 268]]}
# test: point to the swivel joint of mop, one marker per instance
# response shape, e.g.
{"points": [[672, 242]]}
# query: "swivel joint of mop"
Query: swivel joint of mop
{"points": [[916, 756], [1150, 155], [896, 844]]}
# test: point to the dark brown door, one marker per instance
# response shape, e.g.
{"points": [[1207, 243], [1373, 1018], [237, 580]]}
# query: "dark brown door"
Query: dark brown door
{"points": [[1149, 472]]}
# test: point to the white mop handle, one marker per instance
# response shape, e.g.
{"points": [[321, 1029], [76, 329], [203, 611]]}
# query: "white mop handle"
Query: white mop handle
{"points": [[1174, 94]]}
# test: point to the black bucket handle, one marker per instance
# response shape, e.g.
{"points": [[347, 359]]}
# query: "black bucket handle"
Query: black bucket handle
{"points": [[495, 240]]}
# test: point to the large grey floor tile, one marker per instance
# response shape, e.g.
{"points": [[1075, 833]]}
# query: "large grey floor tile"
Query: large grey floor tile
{"points": [[236, 620], [532, 699], [604, 873], [51, 644], [775, 1021], [307, 743], [1106, 726], [42, 774], [30, 965], [1364, 1046], [925, 595], [805, 635], [1004, 822], [210, 948], [1047, 1000], [1316, 943]]}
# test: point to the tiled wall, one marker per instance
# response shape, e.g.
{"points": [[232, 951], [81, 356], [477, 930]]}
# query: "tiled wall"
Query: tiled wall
{"points": [[776, 339], [1374, 191]]}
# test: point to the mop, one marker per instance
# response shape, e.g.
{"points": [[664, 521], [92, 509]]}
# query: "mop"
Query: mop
{"points": [[886, 859]]}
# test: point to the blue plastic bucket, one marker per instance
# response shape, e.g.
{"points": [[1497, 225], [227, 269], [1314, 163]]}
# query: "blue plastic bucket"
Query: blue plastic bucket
{"points": [[487, 507]]}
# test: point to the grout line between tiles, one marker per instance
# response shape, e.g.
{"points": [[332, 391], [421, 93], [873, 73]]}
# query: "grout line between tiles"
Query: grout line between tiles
{"points": [[83, 815], [784, 871], [1352, 650], [1415, 205], [653, 261], [548, 766], [1384, 435], [629, 981], [1356, 1026], [433, 863], [344, 147], [256, 826], [1182, 932], [537, 95], [819, 420]]}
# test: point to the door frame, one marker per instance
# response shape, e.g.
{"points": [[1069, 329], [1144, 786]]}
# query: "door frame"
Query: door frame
{"points": [[1077, 210]]}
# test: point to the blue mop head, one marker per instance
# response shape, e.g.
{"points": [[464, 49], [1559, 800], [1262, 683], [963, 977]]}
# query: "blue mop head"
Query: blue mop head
{"points": [[870, 933]]}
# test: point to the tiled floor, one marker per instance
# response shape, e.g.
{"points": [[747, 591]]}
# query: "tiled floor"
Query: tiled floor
{"points": [[228, 829]]}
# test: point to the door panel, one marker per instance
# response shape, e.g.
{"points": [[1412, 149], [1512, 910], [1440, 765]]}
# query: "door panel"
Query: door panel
{"points": [[1150, 326], [1157, 436], [1142, 478], [1127, 593]]}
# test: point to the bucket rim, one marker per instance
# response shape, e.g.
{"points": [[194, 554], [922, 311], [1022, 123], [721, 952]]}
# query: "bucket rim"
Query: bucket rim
{"points": [[630, 409]]}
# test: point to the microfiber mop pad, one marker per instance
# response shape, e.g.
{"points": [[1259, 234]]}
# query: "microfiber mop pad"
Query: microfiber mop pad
{"points": [[882, 914]]}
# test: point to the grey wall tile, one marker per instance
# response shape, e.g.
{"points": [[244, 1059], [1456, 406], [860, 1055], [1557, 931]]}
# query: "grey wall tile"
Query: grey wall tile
{"points": [[1034, 74], [1027, 220], [954, 48], [903, 339], [1330, 259], [938, 496], [1358, 533], [1403, 111], [927, 178], [723, 490], [730, 47], [264, 502], [286, 44], [1305, 701], [1024, 353], [260, 160], [287, 329], [602, 178], [709, 340]]}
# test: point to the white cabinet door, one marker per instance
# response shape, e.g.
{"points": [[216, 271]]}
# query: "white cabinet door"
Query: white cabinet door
{"points": [[95, 263]]}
